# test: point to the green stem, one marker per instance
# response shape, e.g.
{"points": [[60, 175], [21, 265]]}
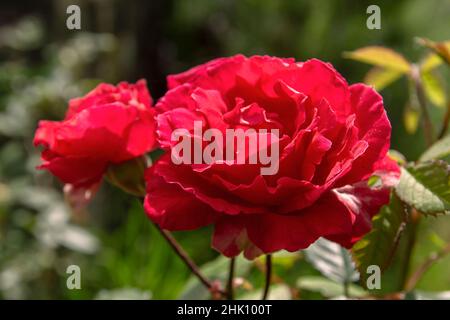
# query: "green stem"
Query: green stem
{"points": [[412, 236]]}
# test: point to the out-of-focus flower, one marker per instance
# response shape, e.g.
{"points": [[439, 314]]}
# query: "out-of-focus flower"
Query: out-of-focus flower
{"points": [[109, 126]]}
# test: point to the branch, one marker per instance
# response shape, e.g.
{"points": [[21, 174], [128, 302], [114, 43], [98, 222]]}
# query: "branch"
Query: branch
{"points": [[230, 295], [397, 238], [188, 261], [420, 271], [268, 276], [414, 219]]}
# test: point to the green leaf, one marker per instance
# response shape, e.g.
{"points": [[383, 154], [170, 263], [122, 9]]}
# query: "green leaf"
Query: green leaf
{"points": [[380, 78], [332, 260], [283, 258], [434, 88], [426, 187], [129, 176], [440, 150], [381, 57], [430, 62], [441, 53], [327, 287], [411, 119], [437, 241], [378, 246], [214, 270]]}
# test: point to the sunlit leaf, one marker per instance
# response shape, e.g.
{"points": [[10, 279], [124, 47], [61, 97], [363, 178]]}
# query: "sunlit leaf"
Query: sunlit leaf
{"points": [[433, 60], [381, 57], [440, 150], [378, 246], [411, 119], [441, 53], [434, 88], [284, 258], [426, 187], [380, 78], [332, 260]]}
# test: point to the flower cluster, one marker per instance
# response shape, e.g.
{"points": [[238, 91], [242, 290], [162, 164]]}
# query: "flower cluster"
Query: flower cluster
{"points": [[331, 139]]}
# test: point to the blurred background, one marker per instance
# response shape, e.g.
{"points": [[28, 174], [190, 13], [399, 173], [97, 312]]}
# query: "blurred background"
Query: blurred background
{"points": [[43, 65]]}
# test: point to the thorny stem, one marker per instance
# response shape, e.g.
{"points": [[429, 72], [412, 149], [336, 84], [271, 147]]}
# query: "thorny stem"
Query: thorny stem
{"points": [[429, 134], [413, 222], [268, 276], [420, 271], [397, 238], [230, 293], [188, 261]]}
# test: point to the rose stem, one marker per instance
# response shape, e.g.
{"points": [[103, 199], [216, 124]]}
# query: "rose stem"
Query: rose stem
{"points": [[268, 276], [417, 275], [230, 293], [414, 219], [187, 260], [428, 132]]}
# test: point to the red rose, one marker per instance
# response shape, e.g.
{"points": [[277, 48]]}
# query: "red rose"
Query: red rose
{"points": [[333, 137], [110, 125]]}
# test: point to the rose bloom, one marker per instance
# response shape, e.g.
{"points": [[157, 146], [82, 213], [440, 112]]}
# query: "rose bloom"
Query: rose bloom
{"points": [[333, 138], [110, 125]]}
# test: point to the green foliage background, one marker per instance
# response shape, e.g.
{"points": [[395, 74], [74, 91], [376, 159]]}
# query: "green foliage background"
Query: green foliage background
{"points": [[42, 65]]}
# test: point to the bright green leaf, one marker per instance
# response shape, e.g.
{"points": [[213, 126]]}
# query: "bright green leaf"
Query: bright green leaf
{"points": [[441, 53], [381, 57], [426, 187], [374, 181], [432, 60], [434, 88], [411, 119], [380, 78], [440, 150], [283, 258]]}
